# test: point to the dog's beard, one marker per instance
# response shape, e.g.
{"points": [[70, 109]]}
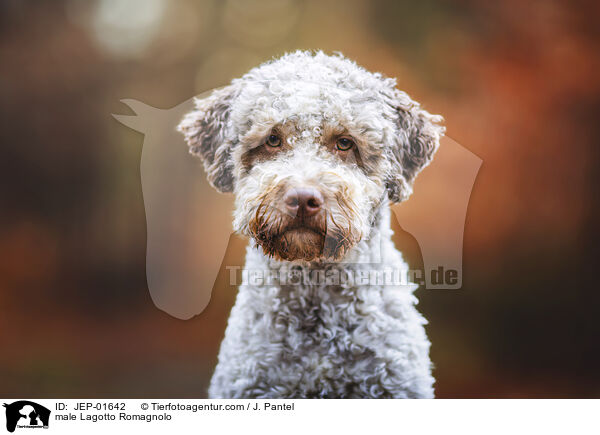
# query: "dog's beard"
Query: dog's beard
{"points": [[319, 238], [300, 243]]}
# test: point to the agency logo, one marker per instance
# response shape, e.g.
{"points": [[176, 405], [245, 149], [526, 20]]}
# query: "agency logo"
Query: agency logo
{"points": [[26, 414]]}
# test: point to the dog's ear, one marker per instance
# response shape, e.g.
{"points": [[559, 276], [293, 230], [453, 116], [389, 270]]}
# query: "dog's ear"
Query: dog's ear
{"points": [[413, 144], [208, 134]]}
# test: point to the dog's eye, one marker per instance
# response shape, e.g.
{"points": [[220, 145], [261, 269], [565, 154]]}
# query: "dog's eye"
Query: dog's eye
{"points": [[344, 144], [273, 141]]}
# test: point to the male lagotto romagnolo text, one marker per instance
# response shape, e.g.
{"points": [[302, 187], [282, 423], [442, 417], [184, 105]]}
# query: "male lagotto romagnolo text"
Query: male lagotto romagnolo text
{"points": [[314, 149]]}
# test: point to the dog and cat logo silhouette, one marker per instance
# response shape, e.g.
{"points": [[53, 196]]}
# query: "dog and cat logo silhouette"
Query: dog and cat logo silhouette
{"points": [[26, 414]]}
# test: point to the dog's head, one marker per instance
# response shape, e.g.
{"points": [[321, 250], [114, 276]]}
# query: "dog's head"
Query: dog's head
{"points": [[312, 145]]}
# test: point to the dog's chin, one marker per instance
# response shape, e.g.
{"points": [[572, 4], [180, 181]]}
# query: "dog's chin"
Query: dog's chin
{"points": [[312, 241], [298, 244], [303, 244]]}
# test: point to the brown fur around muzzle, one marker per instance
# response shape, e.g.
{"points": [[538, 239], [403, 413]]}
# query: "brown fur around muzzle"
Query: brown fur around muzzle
{"points": [[287, 237]]}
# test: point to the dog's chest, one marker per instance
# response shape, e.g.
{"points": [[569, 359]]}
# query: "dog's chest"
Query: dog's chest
{"points": [[320, 349], [298, 342]]}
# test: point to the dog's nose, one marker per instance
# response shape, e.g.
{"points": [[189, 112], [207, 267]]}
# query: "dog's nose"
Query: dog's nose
{"points": [[304, 201]]}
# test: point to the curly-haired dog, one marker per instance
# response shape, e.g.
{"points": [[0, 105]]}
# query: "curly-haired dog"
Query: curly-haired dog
{"points": [[314, 148]]}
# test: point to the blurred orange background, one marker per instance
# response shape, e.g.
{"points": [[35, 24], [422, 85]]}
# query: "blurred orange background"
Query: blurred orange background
{"points": [[517, 83]]}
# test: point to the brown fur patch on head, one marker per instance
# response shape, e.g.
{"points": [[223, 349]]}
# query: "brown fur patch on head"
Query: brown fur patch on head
{"points": [[416, 140], [207, 134], [258, 151], [364, 154]]}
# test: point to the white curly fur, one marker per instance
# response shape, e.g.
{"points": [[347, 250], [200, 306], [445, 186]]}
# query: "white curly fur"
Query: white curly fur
{"points": [[318, 339]]}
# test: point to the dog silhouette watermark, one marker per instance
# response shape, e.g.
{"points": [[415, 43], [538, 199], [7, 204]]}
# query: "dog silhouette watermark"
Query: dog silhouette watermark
{"points": [[26, 414], [178, 223]]}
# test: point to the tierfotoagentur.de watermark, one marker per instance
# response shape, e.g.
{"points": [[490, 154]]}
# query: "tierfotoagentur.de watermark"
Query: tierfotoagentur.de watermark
{"points": [[334, 276]]}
